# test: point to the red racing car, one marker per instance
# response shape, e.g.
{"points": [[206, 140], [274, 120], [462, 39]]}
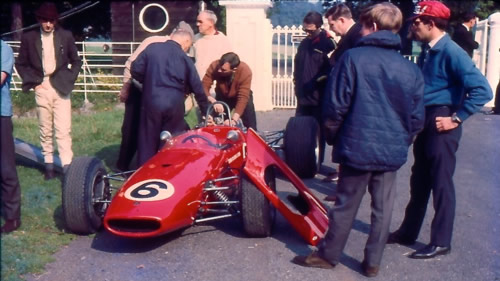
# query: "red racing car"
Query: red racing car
{"points": [[209, 173]]}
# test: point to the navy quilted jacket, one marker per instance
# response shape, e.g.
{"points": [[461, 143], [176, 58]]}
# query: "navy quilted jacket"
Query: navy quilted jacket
{"points": [[373, 105]]}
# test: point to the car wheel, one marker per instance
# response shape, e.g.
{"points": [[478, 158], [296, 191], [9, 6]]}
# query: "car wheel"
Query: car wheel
{"points": [[257, 212], [84, 185], [301, 146]]}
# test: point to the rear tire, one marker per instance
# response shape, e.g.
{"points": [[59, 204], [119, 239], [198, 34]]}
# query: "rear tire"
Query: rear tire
{"points": [[257, 212], [84, 182], [301, 145]]}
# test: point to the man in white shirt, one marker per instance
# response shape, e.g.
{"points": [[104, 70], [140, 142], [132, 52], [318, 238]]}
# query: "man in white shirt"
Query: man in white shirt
{"points": [[209, 44]]}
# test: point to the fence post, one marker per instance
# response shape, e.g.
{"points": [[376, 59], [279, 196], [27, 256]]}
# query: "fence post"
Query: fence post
{"points": [[493, 63], [250, 34]]}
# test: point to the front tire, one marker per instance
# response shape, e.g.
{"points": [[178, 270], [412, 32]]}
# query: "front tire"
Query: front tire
{"points": [[258, 214], [84, 183]]}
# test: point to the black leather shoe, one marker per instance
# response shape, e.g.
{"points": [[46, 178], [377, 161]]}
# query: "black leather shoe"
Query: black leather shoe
{"points": [[10, 225], [396, 238], [330, 198], [430, 251], [49, 174], [313, 260], [49, 171], [332, 177], [369, 271]]}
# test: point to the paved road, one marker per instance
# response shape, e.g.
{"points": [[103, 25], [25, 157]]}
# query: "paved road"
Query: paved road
{"points": [[220, 251]]}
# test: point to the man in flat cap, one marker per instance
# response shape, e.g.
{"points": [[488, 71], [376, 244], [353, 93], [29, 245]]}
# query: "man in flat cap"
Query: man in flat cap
{"points": [[454, 90], [48, 62]]}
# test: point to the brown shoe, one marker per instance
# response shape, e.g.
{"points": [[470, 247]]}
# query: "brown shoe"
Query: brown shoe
{"points": [[331, 198], [369, 271], [10, 225], [313, 260]]}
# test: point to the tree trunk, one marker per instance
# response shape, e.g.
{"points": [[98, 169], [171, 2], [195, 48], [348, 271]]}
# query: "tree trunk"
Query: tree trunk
{"points": [[17, 21]]}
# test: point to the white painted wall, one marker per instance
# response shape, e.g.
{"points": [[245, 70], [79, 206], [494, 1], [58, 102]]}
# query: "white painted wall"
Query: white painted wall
{"points": [[250, 33], [493, 58]]}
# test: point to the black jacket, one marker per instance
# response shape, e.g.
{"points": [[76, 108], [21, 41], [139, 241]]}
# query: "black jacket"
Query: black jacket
{"points": [[68, 63], [347, 41], [312, 67], [464, 39], [373, 105]]}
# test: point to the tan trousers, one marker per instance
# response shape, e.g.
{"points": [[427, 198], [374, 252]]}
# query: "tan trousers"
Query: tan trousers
{"points": [[54, 114]]}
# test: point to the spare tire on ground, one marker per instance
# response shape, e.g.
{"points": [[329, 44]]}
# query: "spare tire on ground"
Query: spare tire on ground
{"points": [[301, 146]]}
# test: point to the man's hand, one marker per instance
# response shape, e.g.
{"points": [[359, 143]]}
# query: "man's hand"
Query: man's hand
{"points": [[45, 85], [445, 124], [124, 92], [210, 121], [219, 108]]}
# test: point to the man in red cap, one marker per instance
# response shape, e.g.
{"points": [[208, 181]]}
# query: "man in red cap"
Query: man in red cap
{"points": [[454, 90], [48, 62]]}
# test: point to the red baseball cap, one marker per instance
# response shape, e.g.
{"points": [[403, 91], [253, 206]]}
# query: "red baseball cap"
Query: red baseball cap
{"points": [[431, 8]]}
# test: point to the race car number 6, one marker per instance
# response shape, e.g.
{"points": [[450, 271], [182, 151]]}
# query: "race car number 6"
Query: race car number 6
{"points": [[150, 190]]}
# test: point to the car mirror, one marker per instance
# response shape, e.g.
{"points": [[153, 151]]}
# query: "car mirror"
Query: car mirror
{"points": [[233, 136], [166, 137]]}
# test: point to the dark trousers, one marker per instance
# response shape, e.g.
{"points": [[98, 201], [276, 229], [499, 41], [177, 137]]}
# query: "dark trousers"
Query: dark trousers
{"points": [[162, 113], [432, 171], [248, 117], [11, 190], [350, 191], [130, 129], [314, 111]]}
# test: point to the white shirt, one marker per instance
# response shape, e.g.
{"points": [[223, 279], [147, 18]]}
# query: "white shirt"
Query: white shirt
{"points": [[48, 54]]}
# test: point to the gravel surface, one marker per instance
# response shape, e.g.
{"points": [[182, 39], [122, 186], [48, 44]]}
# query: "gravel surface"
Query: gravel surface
{"points": [[220, 251]]}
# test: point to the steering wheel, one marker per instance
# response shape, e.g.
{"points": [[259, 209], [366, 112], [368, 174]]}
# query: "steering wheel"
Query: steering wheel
{"points": [[221, 117], [209, 142]]}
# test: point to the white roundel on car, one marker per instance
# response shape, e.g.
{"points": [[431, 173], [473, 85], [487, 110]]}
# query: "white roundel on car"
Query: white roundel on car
{"points": [[150, 190]]}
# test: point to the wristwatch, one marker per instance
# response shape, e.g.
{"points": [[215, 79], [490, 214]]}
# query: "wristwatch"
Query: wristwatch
{"points": [[455, 119]]}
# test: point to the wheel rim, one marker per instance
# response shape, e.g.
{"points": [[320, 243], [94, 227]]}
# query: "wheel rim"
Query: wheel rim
{"points": [[316, 154], [100, 192]]}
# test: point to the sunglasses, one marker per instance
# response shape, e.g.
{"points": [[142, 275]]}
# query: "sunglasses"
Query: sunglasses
{"points": [[309, 31], [416, 23]]}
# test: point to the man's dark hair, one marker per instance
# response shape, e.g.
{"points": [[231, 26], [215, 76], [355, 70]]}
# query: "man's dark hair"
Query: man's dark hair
{"points": [[339, 10], [438, 22], [468, 16], [315, 18], [230, 58]]}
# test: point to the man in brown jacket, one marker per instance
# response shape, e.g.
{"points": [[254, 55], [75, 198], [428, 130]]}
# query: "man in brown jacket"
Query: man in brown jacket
{"points": [[233, 82]]}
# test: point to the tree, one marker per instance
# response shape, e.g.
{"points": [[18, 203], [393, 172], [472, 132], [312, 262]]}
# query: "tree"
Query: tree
{"points": [[487, 7], [220, 11], [82, 22]]}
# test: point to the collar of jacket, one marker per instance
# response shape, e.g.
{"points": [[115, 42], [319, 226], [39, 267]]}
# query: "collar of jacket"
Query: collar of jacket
{"points": [[383, 38], [440, 45]]}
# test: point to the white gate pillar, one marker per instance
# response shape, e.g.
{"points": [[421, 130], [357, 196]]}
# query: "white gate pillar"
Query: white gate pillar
{"points": [[493, 63], [250, 34]]}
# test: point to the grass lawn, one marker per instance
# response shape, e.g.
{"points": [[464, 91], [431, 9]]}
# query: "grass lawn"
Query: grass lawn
{"points": [[42, 232]]}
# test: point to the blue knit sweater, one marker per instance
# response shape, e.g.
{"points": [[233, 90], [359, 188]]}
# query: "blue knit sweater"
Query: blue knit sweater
{"points": [[451, 78]]}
